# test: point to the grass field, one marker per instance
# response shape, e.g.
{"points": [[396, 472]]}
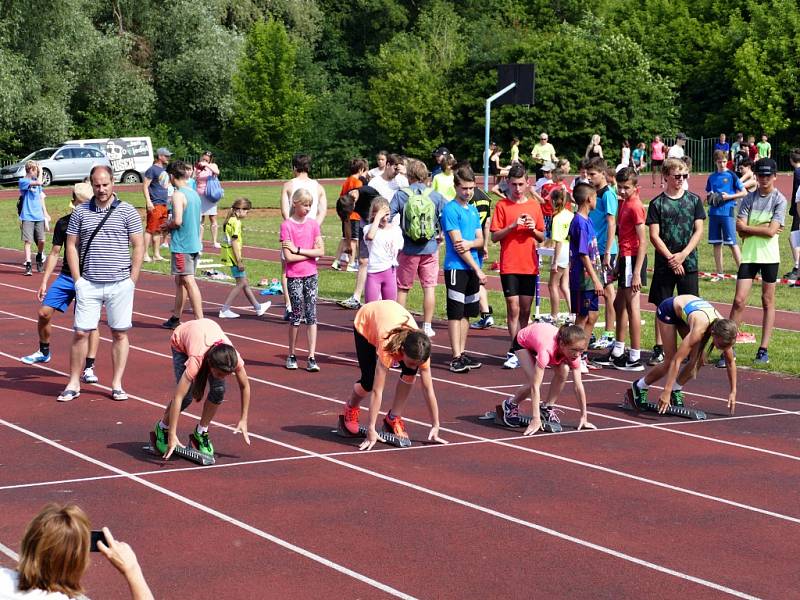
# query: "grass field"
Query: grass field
{"points": [[263, 223]]}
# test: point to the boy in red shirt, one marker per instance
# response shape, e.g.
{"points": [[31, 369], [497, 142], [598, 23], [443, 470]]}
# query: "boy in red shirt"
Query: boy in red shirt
{"points": [[518, 225]]}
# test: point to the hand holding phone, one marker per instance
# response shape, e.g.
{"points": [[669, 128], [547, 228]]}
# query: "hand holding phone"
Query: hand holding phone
{"points": [[96, 536]]}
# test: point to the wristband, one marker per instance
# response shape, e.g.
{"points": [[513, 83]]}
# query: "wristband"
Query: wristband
{"points": [[298, 250]]}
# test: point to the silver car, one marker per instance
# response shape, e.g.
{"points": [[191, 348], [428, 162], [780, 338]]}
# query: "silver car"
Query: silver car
{"points": [[66, 163]]}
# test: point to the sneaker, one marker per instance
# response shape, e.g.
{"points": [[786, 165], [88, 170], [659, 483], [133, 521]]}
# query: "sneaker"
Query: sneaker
{"points": [[512, 362], [593, 366], [217, 245], [351, 419], [722, 363], [28, 270], [584, 366], [624, 363], [311, 365], [396, 426], [483, 323], [201, 442], [39, 263], [604, 360], [744, 337], [287, 315], [171, 323], [471, 362], [36, 357], [793, 274], [545, 318], [351, 303], [550, 414], [291, 362], [605, 341], [335, 265], [428, 331], [457, 365], [352, 268], [676, 398], [262, 308], [639, 396], [161, 439], [657, 357], [511, 414], [89, 376], [228, 314], [762, 358]]}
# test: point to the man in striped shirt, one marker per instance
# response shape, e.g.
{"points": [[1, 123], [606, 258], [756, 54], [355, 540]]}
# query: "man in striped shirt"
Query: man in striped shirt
{"points": [[107, 265]]}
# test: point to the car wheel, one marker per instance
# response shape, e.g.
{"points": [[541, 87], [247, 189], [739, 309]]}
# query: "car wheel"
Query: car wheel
{"points": [[131, 177], [47, 177]]}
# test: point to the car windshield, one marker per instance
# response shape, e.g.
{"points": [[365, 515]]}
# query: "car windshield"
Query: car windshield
{"points": [[42, 154]]}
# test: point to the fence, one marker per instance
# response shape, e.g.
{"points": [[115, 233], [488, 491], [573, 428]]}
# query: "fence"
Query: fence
{"points": [[702, 152]]}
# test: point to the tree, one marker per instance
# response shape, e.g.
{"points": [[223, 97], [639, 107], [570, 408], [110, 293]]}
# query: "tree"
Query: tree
{"points": [[270, 106]]}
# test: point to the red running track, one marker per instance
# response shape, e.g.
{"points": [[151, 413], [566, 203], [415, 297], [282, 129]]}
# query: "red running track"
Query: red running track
{"points": [[644, 507]]}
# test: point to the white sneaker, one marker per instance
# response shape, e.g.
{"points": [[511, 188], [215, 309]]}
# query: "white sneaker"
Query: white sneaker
{"points": [[352, 268], [89, 376], [228, 314], [512, 362], [584, 366], [36, 357], [262, 308], [217, 245], [428, 330]]}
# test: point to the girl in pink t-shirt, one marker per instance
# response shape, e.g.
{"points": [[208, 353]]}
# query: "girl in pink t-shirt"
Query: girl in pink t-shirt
{"points": [[301, 243], [537, 347], [657, 155]]}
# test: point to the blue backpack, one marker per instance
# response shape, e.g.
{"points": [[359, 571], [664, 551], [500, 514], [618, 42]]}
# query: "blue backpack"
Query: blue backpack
{"points": [[214, 191]]}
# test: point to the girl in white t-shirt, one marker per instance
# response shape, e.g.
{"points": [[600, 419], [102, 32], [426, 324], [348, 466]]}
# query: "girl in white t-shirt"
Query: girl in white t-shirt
{"points": [[384, 239]]}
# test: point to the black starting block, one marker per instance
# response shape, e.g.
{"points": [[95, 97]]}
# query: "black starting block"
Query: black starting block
{"points": [[524, 420], [188, 452], [673, 411], [388, 437]]}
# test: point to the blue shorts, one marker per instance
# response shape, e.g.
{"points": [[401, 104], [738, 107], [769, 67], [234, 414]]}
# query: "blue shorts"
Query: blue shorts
{"points": [[60, 294], [666, 312], [721, 230], [584, 301], [237, 273]]}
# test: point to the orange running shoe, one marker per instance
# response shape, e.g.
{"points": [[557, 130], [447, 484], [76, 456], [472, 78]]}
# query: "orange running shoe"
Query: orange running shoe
{"points": [[396, 426], [351, 419]]}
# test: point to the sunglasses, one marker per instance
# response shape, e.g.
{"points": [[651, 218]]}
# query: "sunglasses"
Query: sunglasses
{"points": [[681, 176]]}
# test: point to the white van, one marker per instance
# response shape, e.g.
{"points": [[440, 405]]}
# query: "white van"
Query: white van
{"points": [[130, 156]]}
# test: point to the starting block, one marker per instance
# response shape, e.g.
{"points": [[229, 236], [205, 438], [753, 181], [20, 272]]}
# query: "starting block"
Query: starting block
{"points": [[525, 420], [673, 411], [187, 453], [388, 437]]}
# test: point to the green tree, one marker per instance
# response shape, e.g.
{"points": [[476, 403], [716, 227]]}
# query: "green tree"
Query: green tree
{"points": [[270, 108]]}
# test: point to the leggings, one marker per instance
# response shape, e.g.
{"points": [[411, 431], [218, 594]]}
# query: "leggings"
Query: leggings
{"points": [[381, 286], [303, 296]]}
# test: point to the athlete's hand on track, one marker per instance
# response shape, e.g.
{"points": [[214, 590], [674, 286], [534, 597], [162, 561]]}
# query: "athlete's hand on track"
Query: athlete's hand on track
{"points": [[534, 427], [173, 443], [732, 402], [663, 402], [372, 439], [584, 424], [433, 436], [241, 427]]}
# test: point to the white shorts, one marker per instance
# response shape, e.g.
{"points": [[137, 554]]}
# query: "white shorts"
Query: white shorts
{"points": [[562, 260], [90, 298], [207, 207]]}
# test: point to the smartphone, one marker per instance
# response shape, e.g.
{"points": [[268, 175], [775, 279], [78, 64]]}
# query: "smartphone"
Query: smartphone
{"points": [[96, 536]]}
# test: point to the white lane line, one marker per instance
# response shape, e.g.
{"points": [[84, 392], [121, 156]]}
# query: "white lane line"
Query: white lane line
{"points": [[446, 497], [9, 552], [550, 455], [215, 513]]}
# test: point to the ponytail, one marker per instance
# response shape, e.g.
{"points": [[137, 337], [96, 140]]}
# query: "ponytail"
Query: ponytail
{"points": [[220, 356], [238, 204], [414, 343]]}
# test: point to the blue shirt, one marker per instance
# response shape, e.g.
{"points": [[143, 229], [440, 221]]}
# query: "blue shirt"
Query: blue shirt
{"points": [[159, 184], [725, 147], [723, 183], [582, 242], [465, 219], [606, 205], [396, 207], [186, 238], [31, 202]]}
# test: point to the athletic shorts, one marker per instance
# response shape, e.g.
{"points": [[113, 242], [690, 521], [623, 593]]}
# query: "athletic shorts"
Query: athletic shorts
{"points": [[666, 312], [518, 285], [367, 356], [426, 266], [625, 266], [116, 296], [656, 163], [463, 294], [237, 273], [721, 230], [60, 294], [216, 387], [156, 218], [184, 263], [33, 231], [516, 347], [769, 271], [584, 301], [665, 282]]}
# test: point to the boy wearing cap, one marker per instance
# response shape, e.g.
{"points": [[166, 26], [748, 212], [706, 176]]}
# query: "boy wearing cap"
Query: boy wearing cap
{"points": [[759, 223], [60, 295], [155, 188]]}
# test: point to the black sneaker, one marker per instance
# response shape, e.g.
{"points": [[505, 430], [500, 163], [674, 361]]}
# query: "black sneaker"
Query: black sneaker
{"points": [[457, 365], [28, 270], [470, 363], [171, 323], [657, 357], [39, 262], [605, 359], [511, 414], [624, 363], [311, 365], [793, 274]]}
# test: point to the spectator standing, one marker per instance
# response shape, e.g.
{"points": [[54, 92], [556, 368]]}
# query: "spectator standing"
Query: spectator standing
{"points": [[639, 158], [594, 149], [542, 152], [380, 162], [351, 226], [752, 148], [384, 239], [443, 182], [104, 250], [203, 170], [155, 188], [677, 149], [439, 156], [794, 237], [514, 154], [33, 216], [658, 152], [420, 255], [722, 145], [724, 188], [483, 204], [625, 155], [735, 146], [764, 147]]}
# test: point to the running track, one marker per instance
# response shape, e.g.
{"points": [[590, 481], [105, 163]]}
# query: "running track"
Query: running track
{"points": [[644, 507]]}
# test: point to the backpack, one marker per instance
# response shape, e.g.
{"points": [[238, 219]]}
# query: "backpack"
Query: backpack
{"points": [[419, 221], [19, 204], [214, 191]]}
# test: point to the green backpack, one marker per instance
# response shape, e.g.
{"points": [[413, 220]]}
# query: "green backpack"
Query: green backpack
{"points": [[419, 222]]}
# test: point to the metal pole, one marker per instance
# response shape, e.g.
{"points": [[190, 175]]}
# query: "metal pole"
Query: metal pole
{"points": [[489, 101]]}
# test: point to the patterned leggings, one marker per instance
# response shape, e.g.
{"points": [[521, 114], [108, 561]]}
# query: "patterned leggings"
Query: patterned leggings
{"points": [[303, 296]]}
